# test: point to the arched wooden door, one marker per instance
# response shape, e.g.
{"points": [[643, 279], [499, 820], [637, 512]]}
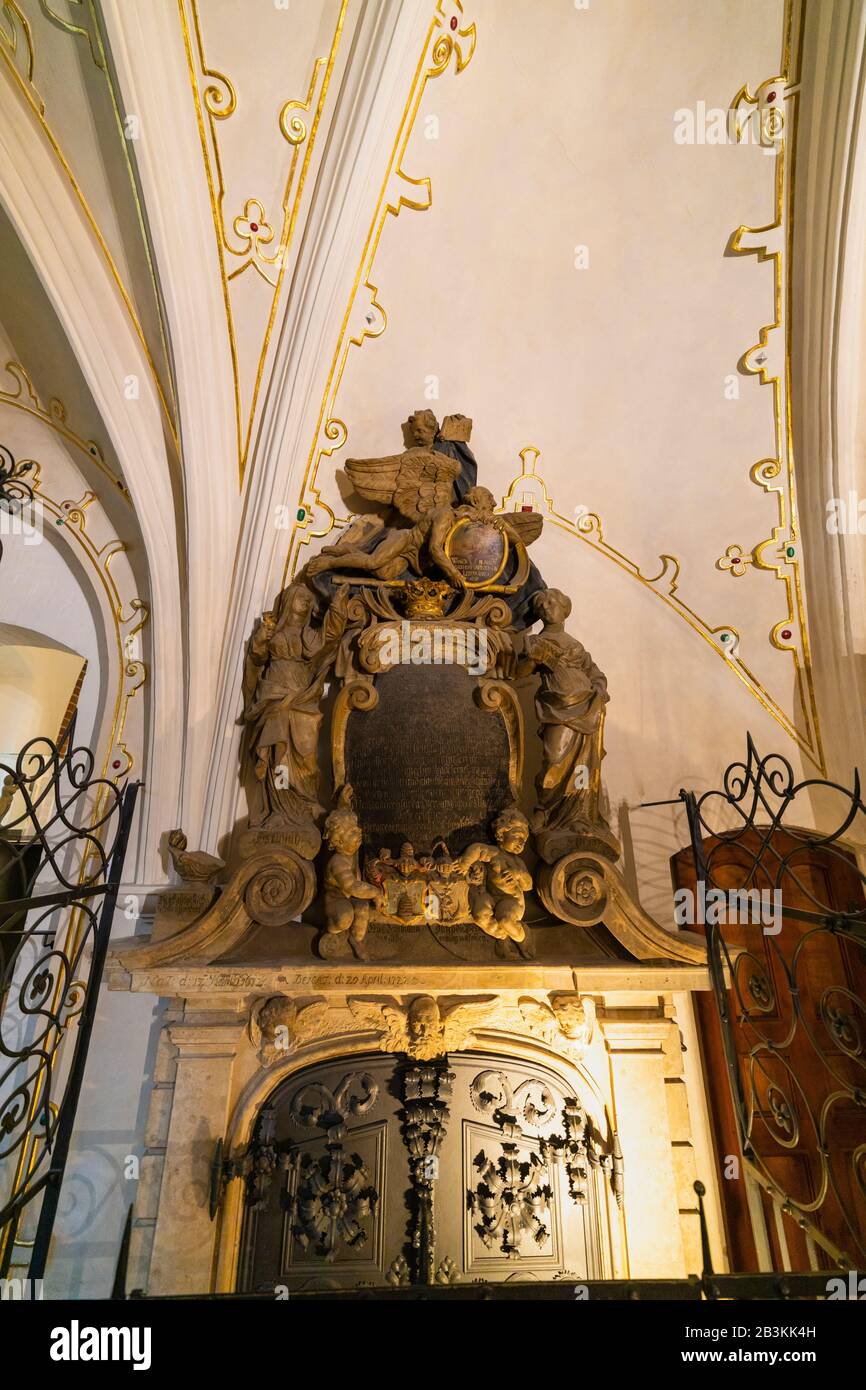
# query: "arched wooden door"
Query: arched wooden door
{"points": [[378, 1170], [814, 1052]]}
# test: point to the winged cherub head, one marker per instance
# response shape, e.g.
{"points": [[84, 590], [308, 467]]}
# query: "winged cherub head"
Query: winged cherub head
{"points": [[423, 428], [424, 1021]]}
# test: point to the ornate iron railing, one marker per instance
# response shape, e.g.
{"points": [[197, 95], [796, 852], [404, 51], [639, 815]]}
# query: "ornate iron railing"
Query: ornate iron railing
{"points": [[15, 493], [63, 834], [751, 830]]}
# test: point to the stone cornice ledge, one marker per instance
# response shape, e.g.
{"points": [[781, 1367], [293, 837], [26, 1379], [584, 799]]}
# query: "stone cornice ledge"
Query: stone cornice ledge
{"points": [[327, 978]]}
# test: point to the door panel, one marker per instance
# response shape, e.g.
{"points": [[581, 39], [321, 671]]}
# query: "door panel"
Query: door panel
{"points": [[519, 1188], [807, 1061]]}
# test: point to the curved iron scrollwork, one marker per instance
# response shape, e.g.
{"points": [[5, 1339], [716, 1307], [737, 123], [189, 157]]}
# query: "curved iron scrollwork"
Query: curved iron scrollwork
{"points": [[15, 493], [796, 1059], [50, 800], [63, 834]]}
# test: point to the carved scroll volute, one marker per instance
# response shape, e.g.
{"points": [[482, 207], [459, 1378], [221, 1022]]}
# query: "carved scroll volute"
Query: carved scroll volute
{"points": [[585, 888], [357, 694], [281, 890], [573, 889], [499, 696]]}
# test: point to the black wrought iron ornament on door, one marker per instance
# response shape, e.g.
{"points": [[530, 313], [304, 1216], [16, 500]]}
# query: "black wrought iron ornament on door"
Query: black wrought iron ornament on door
{"points": [[785, 918]]}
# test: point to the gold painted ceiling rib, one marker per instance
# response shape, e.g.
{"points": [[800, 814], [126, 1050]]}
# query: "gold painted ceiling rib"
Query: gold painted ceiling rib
{"points": [[31, 96], [218, 100], [54, 415]]}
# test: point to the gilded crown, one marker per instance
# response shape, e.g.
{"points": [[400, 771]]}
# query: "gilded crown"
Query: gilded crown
{"points": [[426, 598]]}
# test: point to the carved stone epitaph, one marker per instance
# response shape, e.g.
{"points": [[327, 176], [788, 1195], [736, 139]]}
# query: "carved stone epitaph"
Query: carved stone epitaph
{"points": [[428, 762], [409, 642]]}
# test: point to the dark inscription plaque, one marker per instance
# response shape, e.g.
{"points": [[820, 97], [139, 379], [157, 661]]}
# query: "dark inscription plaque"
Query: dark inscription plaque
{"points": [[427, 763]]}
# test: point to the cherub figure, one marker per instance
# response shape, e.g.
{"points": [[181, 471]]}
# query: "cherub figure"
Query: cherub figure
{"points": [[479, 505], [415, 483], [426, 489], [347, 895], [498, 904]]}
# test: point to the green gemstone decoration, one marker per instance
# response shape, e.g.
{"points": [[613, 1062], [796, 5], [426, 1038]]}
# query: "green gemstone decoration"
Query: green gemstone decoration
{"points": [[302, 512]]}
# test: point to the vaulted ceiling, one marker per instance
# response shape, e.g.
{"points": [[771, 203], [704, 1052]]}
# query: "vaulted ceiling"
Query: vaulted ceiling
{"points": [[241, 242]]}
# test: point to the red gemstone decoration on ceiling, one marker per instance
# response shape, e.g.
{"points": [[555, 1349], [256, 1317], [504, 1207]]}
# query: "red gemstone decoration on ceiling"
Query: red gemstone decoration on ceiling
{"points": [[454, 22], [254, 226], [785, 634], [771, 96]]}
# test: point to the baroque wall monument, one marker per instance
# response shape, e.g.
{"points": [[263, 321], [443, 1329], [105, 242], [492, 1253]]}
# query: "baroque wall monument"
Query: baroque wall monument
{"points": [[402, 887]]}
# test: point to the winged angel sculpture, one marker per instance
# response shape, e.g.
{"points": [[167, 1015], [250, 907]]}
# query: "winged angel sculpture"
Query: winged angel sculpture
{"points": [[425, 1028], [566, 1023], [424, 488], [279, 1026]]}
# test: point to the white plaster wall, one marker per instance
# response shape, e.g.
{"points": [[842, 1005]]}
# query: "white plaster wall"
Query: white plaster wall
{"points": [[46, 597], [103, 1169]]}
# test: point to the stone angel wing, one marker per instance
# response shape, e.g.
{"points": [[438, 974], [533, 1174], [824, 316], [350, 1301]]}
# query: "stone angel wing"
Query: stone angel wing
{"points": [[460, 1020], [302, 1025], [386, 1019], [539, 1018], [312, 1022], [415, 482], [523, 526]]}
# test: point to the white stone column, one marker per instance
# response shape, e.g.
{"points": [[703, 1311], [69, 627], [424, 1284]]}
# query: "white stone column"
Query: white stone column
{"points": [[652, 1219], [183, 1247]]}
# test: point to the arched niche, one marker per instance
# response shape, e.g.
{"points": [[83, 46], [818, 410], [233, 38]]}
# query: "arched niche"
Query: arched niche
{"points": [[373, 1169], [40, 682]]}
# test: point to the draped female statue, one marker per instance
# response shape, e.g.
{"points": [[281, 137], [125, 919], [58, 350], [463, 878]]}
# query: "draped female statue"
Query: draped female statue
{"points": [[570, 707], [287, 662]]}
